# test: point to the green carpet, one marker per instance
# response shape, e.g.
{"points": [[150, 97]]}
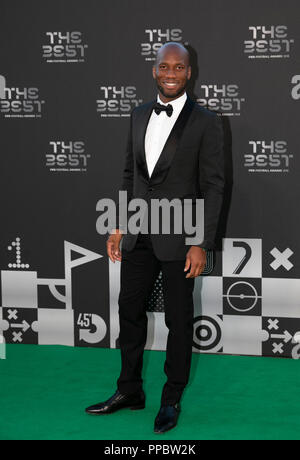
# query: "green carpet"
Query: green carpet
{"points": [[45, 389]]}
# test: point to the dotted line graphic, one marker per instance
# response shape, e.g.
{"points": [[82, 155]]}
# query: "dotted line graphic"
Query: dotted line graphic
{"points": [[17, 246]]}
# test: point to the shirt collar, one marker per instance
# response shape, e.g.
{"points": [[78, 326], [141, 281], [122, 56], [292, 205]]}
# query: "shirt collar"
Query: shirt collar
{"points": [[177, 103]]}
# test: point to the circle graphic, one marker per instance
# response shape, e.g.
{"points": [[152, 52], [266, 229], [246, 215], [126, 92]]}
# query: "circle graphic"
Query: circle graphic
{"points": [[207, 333], [242, 296]]}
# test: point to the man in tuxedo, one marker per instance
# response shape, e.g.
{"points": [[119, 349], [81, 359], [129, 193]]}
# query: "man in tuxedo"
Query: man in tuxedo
{"points": [[174, 150]]}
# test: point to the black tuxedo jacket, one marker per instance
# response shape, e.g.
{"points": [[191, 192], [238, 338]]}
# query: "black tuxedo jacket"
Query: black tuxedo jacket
{"points": [[190, 166]]}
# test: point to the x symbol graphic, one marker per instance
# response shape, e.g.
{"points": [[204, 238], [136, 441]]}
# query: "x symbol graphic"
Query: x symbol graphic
{"points": [[281, 258]]}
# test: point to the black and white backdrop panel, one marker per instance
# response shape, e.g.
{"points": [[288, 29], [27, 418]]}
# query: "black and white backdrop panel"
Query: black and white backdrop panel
{"points": [[70, 74]]}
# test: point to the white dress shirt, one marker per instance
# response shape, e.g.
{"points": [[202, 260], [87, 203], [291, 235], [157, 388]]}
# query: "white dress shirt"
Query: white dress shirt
{"points": [[158, 131]]}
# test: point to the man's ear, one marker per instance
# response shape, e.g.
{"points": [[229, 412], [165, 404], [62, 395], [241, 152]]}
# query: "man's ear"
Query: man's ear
{"points": [[189, 72], [154, 72]]}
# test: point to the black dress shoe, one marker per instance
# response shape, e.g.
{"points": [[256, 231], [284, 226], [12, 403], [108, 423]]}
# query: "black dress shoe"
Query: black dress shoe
{"points": [[166, 418], [118, 401]]}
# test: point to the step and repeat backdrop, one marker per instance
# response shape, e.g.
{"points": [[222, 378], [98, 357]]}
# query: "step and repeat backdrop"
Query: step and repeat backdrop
{"points": [[70, 74]]}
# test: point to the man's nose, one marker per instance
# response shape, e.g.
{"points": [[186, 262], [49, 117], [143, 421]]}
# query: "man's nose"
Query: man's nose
{"points": [[171, 73]]}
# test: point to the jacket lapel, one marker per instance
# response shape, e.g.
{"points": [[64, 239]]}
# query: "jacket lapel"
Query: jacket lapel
{"points": [[164, 162], [141, 155]]}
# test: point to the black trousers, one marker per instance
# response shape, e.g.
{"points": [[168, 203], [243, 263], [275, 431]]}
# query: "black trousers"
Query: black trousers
{"points": [[139, 270]]}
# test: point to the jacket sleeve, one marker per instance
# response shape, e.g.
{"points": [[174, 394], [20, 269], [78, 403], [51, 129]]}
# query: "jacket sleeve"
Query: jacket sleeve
{"points": [[211, 178], [127, 181]]}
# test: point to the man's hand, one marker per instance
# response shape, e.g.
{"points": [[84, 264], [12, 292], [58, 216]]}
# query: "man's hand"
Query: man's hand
{"points": [[113, 246], [196, 261]]}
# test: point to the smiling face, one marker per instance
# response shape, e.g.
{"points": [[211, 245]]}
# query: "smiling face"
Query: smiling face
{"points": [[171, 71]]}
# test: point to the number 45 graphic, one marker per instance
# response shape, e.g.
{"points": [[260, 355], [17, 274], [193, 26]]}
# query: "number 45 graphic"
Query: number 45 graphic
{"points": [[87, 322], [84, 319]]}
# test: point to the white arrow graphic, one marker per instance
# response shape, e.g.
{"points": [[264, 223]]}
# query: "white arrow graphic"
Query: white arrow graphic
{"points": [[25, 326], [286, 336]]}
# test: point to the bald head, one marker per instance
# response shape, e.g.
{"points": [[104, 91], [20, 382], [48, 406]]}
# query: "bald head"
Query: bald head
{"points": [[173, 48]]}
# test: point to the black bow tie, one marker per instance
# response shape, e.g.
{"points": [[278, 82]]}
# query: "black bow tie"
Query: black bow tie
{"points": [[167, 108]]}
